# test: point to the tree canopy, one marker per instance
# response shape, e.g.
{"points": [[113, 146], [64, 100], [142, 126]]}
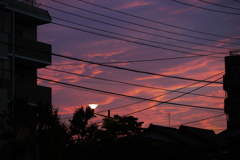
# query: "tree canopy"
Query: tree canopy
{"points": [[79, 127], [118, 126]]}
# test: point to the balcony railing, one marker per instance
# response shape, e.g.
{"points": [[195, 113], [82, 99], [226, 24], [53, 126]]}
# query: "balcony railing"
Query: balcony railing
{"points": [[33, 93], [231, 81], [34, 50], [235, 53], [232, 108], [232, 105], [29, 2], [232, 101]]}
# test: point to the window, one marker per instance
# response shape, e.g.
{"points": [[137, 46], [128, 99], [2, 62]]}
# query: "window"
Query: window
{"points": [[4, 69]]}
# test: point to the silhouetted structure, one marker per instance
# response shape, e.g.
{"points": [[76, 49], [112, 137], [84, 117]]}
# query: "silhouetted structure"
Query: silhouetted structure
{"points": [[231, 84], [185, 142], [20, 57], [20, 52]]}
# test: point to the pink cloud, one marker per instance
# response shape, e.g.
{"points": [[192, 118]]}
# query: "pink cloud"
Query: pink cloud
{"points": [[201, 65], [134, 4], [185, 67], [179, 11], [105, 55]]}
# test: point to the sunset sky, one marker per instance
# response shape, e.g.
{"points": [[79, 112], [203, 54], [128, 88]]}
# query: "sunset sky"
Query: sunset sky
{"points": [[163, 46]]}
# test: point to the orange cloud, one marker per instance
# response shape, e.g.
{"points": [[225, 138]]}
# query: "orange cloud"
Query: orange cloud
{"points": [[96, 71], [105, 55], [201, 65], [186, 67]]}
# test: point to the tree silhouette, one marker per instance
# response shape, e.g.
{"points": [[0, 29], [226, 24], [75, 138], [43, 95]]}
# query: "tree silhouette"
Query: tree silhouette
{"points": [[118, 138], [52, 135], [79, 128], [118, 127], [33, 127]]}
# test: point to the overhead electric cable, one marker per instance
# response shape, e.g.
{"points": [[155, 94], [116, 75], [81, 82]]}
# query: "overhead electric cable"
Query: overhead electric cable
{"points": [[137, 85], [132, 70], [166, 93], [116, 94], [126, 40], [150, 60], [131, 28], [146, 60], [117, 67], [220, 115], [127, 96], [153, 28], [154, 20], [99, 33], [182, 124], [170, 99], [205, 8], [124, 35], [219, 5], [102, 34]]}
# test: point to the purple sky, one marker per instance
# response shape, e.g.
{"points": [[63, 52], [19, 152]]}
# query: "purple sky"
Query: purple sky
{"points": [[145, 39]]}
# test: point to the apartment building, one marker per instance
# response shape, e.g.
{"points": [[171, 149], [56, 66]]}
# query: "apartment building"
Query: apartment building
{"points": [[231, 84], [21, 55]]}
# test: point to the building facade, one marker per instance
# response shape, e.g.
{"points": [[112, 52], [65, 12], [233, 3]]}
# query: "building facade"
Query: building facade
{"points": [[231, 84], [21, 55], [20, 52]]}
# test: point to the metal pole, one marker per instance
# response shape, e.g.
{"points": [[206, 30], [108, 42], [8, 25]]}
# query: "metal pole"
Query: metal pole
{"points": [[13, 57], [108, 113]]}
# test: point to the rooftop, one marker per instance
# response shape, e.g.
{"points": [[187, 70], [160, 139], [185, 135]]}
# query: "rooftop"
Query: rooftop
{"points": [[235, 53]]}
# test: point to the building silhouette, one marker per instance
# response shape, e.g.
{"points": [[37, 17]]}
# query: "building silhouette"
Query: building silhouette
{"points": [[231, 84], [20, 52], [21, 55], [197, 143]]}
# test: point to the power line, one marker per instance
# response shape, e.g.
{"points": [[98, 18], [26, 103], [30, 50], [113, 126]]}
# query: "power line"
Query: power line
{"points": [[95, 33], [219, 5], [131, 28], [154, 21], [132, 70], [175, 125], [166, 93], [126, 40], [136, 85], [124, 35], [170, 99], [220, 115], [115, 94], [117, 67], [205, 8], [149, 60], [146, 60], [127, 96]]}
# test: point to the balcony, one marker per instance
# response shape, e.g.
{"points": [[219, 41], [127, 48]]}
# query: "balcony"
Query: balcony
{"points": [[235, 53], [29, 2], [33, 50], [231, 82], [28, 9], [232, 105], [3, 45], [3, 102], [34, 93]]}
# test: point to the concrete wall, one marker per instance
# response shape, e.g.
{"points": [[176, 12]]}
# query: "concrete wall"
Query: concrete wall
{"points": [[3, 99]]}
